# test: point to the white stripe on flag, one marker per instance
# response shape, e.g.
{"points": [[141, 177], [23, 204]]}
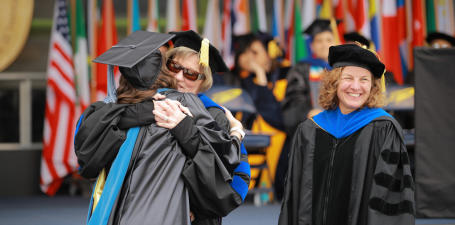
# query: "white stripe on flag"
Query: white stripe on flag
{"points": [[50, 98], [46, 176], [58, 156], [63, 85], [47, 131]]}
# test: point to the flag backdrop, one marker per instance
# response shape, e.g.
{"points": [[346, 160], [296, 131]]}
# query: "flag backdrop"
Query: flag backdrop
{"points": [[212, 26], [153, 16], [240, 17], [134, 18], [106, 39], [58, 158], [189, 16], [226, 34], [80, 59]]}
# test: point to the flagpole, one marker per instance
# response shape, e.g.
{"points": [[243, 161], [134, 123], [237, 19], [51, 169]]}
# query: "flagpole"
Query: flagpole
{"points": [[73, 24], [93, 46], [129, 15]]}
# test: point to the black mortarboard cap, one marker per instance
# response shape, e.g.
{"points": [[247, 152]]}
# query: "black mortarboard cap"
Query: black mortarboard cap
{"points": [[137, 57], [319, 26], [193, 40], [354, 36], [436, 35], [354, 55]]}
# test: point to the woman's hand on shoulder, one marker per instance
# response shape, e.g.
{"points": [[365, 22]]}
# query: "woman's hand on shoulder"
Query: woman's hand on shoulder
{"points": [[233, 122], [174, 113]]}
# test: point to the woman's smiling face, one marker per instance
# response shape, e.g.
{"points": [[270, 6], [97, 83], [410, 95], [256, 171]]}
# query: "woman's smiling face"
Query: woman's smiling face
{"points": [[354, 88]]}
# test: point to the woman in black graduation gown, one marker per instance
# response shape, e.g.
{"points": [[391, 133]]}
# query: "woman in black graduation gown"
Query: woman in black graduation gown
{"points": [[223, 193], [348, 164]]}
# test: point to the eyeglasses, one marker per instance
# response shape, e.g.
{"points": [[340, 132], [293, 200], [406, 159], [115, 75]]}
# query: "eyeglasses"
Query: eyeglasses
{"points": [[187, 73]]}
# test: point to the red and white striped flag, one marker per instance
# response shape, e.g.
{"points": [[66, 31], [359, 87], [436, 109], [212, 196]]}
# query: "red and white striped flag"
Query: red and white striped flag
{"points": [[58, 157], [189, 16]]}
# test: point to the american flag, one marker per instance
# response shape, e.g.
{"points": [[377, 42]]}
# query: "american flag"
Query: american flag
{"points": [[58, 157]]}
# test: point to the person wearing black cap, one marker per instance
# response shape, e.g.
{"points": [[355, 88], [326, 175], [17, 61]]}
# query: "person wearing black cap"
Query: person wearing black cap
{"points": [[440, 40], [348, 164], [300, 101], [99, 136], [353, 37]]}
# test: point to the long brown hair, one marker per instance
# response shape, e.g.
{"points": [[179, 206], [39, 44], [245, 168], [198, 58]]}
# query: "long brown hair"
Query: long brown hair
{"points": [[127, 94]]}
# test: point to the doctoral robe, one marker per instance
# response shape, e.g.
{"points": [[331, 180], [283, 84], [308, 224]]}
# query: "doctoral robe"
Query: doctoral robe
{"points": [[348, 169]]}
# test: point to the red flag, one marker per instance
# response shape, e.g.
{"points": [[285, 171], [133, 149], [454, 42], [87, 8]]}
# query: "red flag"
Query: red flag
{"points": [[58, 157], [418, 33], [391, 51], [189, 15], [339, 9], [107, 38]]}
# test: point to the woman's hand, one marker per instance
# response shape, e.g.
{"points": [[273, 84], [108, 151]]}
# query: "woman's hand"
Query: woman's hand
{"points": [[174, 114], [233, 122], [191, 216], [259, 72]]}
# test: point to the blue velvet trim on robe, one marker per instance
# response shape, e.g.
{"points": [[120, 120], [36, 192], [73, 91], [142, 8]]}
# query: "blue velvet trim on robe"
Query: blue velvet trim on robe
{"points": [[340, 125], [243, 167], [114, 180], [239, 185]]}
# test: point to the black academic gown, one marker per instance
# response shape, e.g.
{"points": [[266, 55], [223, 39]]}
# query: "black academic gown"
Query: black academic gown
{"points": [[297, 101], [363, 178], [201, 167]]}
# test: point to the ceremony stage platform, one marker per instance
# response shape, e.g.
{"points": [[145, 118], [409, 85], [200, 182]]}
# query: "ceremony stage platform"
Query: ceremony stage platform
{"points": [[65, 210]]}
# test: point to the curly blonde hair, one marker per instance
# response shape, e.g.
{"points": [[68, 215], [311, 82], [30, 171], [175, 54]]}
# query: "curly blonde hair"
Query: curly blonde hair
{"points": [[328, 98]]}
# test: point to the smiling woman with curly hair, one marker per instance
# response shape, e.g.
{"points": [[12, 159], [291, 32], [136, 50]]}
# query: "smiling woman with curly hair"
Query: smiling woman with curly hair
{"points": [[328, 98], [348, 164]]}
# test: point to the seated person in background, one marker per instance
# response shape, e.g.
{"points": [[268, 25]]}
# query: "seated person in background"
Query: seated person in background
{"points": [[259, 73], [300, 101], [353, 37]]}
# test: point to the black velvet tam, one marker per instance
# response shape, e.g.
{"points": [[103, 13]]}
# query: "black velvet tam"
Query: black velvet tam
{"points": [[436, 35], [319, 26], [354, 36], [193, 40], [137, 57], [354, 55]]}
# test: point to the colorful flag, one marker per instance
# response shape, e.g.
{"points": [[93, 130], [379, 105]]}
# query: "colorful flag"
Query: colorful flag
{"points": [[226, 33], [289, 30], [431, 17], [134, 17], [153, 16], [189, 16], [172, 16], [402, 39], [106, 39], [212, 26], [301, 50], [391, 40], [325, 9], [259, 21], [375, 25], [58, 157], [308, 13], [339, 11], [362, 19], [418, 34], [93, 15], [240, 17], [445, 21], [80, 59], [277, 22], [350, 16]]}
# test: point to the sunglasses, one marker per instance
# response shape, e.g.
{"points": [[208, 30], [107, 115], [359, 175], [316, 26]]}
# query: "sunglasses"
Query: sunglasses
{"points": [[187, 73]]}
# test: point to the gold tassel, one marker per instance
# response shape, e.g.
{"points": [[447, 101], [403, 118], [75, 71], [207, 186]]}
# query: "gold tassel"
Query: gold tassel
{"points": [[274, 50], [383, 82], [204, 53], [99, 188]]}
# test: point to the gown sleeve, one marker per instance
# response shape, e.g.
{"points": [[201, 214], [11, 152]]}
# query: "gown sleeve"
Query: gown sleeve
{"points": [[98, 139], [130, 118], [297, 102], [266, 104], [213, 192], [391, 199], [291, 204]]}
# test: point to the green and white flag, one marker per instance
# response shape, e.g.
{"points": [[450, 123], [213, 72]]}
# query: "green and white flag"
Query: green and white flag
{"points": [[80, 59], [259, 21]]}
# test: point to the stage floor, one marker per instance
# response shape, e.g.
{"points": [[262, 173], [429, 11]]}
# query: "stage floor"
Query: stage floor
{"points": [[62, 210]]}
